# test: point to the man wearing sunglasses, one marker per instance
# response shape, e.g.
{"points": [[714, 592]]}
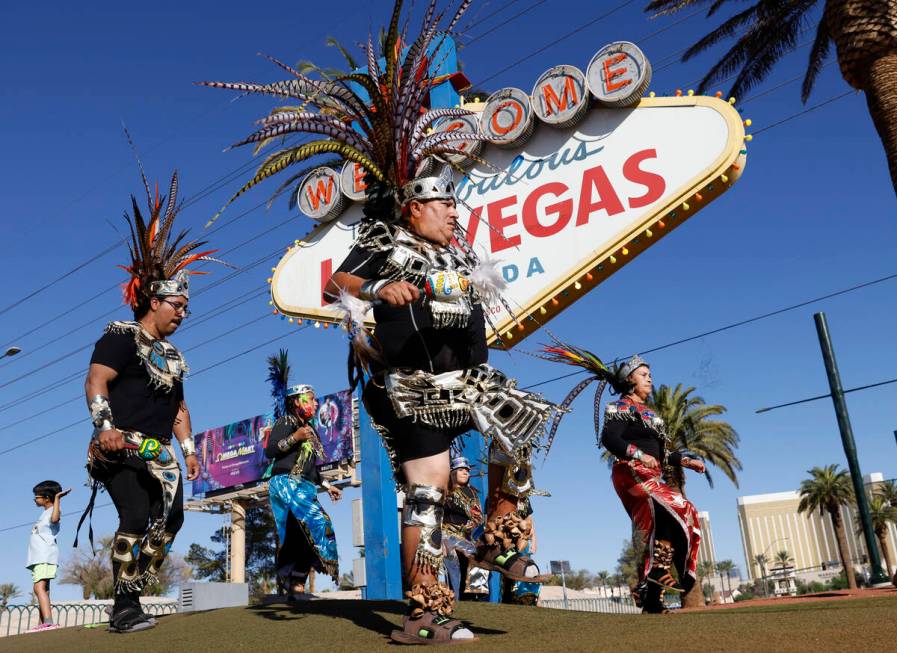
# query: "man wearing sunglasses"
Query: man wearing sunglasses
{"points": [[135, 394]]}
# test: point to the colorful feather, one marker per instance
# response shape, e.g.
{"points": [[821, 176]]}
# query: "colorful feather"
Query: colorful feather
{"points": [[279, 378]]}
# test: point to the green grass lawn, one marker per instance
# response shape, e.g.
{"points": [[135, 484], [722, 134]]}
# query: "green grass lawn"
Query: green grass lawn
{"points": [[343, 626]]}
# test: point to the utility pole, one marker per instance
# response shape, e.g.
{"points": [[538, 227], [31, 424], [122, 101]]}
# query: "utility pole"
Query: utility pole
{"points": [[877, 576]]}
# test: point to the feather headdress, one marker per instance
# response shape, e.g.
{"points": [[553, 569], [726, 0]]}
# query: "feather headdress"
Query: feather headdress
{"points": [[560, 352], [377, 118], [158, 262], [279, 378]]}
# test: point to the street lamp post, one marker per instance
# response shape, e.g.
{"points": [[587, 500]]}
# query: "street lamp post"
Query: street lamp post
{"points": [[877, 576], [11, 351], [768, 546]]}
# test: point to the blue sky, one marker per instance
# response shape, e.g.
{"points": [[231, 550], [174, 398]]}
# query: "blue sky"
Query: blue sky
{"points": [[813, 213]]}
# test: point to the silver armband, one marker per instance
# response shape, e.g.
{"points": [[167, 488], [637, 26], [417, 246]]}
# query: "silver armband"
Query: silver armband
{"points": [[101, 413], [188, 446], [370, 288], [637, 454], [325, 484]]}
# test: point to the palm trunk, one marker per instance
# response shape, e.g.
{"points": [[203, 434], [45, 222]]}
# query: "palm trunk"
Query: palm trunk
{"points": [[883, 545], [881, 98], [843, 550]]}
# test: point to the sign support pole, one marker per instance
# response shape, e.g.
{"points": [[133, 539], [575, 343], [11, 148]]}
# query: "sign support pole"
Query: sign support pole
{"points": [[478, 456], [877, 576], [238, 543], [383, 565]]}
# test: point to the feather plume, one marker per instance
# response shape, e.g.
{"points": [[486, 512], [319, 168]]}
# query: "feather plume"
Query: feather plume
{"points": [[279, 378], [488, 281], [377, 119]]}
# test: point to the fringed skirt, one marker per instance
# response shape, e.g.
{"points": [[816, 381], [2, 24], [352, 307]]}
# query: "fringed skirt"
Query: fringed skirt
{"points": [[300, 498], [643, 493]]}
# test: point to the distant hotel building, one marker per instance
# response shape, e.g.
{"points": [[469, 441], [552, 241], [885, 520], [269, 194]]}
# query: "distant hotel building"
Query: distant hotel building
{"points": [[770, 523], [706, 550]]}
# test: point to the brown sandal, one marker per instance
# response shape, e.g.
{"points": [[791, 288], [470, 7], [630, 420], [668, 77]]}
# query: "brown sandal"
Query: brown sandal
{"points": [[429, 628], [503, 539], [428, 621]]}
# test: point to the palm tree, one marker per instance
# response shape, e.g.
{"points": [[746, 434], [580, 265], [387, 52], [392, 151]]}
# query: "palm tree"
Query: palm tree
{"points": [[690, 426], [761, 561], [827, 490], [783, 560], [726, 567], [706, 569], [865, 37], [8, 591], [881, 512], [603, 577], [888, 491]]}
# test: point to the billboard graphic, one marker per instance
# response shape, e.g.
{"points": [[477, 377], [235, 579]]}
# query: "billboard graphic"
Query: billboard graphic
{"points": [[233, 454], [334, 423]]}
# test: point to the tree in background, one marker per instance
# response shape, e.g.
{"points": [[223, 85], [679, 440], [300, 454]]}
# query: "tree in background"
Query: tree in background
{"points": [[762, 561], [261, 548], [705, 569], [882, 513], [691, 426], [603, 578], [91, 570], [827, 490], [8, 591], [725, 567], [783, 559], [864, 33]]}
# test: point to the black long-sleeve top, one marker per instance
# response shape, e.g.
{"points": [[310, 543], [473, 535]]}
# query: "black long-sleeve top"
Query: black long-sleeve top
{"points": [[285, 454], [628, 426], [406, 334]]}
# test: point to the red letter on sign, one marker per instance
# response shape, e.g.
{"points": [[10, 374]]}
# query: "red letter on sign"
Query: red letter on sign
{"points": [[607, 197], [563, 210], [653, 182], [320, 192], [610, 73], [497, 239], [550, 96], [358, 173], [326, 273]]}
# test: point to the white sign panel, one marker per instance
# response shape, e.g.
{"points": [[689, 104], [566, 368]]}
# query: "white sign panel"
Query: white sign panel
{"points": [[565, 210]]}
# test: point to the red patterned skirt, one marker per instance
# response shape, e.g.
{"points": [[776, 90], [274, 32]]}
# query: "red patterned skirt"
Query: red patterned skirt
{"points": [[642, 492]]}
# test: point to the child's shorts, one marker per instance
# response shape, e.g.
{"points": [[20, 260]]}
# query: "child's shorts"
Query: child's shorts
{"points": [[42, 571]]}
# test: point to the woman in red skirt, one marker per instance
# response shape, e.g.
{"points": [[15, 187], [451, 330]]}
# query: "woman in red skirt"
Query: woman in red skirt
{"points": [[664, 523]]}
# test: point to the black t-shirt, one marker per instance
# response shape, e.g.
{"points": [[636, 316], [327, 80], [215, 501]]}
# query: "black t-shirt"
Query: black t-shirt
{"points": [[406, 335], [284, 461], [136, 404]]}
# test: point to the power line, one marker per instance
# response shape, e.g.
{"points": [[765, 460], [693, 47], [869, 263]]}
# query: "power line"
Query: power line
{"points": [[733, 325], [194, 374], [807, 110], [829, 394], [65, 514], [557, 40]]}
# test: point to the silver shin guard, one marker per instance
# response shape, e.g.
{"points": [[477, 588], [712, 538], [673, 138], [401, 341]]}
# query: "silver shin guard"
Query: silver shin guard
{"points": [[423, 509]]}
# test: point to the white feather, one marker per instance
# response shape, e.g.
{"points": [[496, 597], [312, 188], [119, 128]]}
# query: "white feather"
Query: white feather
{"points": [[488, 280]]}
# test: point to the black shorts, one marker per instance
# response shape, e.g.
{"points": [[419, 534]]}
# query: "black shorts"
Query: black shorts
{"points": [[409, 439]]}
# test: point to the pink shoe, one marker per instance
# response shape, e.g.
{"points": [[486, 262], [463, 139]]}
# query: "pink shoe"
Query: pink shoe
{"points": [[42, 627]]}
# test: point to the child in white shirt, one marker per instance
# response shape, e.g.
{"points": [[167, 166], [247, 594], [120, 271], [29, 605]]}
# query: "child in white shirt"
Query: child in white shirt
{"points": [[43, 553]]}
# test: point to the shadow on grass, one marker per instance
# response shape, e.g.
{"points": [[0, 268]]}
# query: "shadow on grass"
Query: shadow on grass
{"points": [[364, 614]]}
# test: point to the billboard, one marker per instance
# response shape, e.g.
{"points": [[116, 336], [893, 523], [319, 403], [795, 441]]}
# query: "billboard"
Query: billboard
{"points": [[234, 454], [335, 423], [575, 188]]}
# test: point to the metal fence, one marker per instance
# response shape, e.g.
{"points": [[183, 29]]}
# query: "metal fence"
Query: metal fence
{"points": [[17, 619], [609, 606]]}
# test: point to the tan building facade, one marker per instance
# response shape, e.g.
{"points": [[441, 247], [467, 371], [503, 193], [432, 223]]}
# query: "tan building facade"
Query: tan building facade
{"points": [[770, 523], [706, 550]]}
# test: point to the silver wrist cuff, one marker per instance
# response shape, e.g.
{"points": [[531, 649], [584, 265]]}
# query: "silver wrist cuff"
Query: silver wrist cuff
{"points": [[637, 454], [101, 413], [370, 288], [188, 446], [325, 484]]}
